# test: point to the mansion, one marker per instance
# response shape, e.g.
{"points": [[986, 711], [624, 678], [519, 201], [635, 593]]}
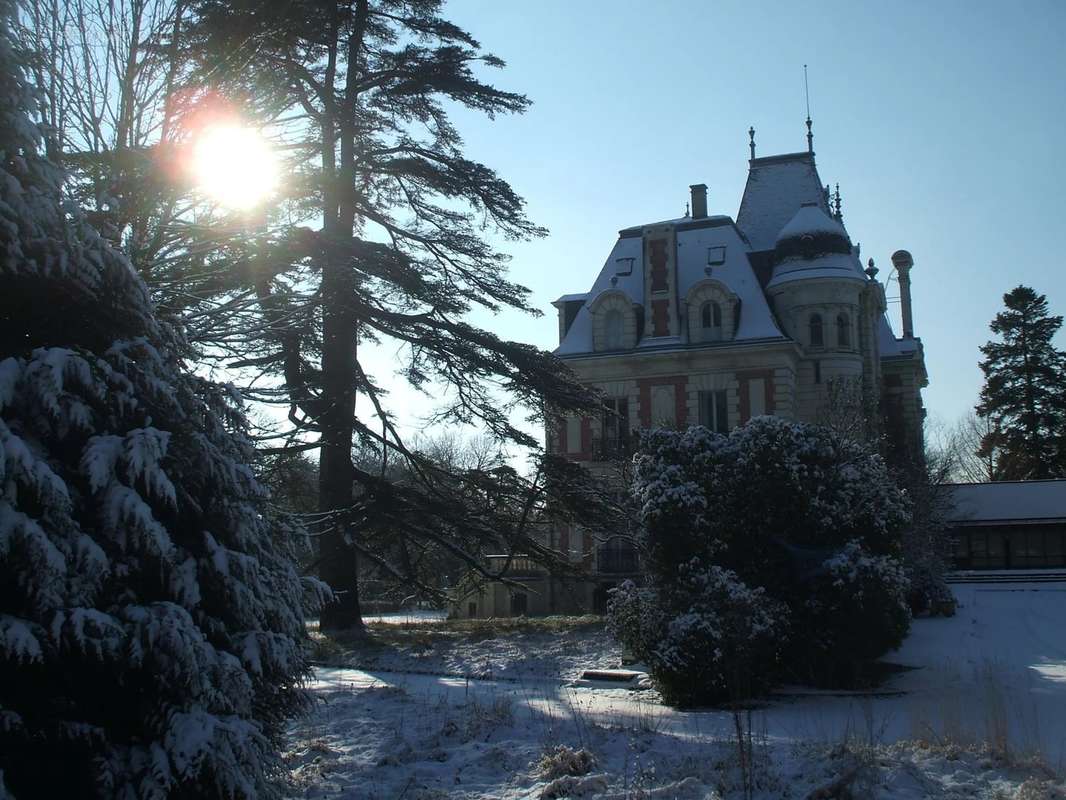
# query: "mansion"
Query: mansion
{"points": [[712, 320]]}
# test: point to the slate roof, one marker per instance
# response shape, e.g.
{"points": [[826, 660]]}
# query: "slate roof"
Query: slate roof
{"points": [[777, 187], [783, 198], [1008, 501], [693, 242]]}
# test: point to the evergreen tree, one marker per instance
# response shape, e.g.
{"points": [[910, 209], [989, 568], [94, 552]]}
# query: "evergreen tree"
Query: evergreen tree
{"points": [[364, 88], [151, 620], [1024, 395]]}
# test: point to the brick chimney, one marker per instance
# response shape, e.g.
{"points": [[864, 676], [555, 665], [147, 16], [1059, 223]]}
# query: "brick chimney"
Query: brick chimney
{"points": [[699, 200]]}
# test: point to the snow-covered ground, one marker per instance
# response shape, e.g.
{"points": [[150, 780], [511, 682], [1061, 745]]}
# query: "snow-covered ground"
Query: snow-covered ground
{"points": [[464, 712]]}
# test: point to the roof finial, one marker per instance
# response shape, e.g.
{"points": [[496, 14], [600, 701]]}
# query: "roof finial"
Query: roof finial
{"points": [[807, 95], [751, 135], [836, 205], [687, 212]]}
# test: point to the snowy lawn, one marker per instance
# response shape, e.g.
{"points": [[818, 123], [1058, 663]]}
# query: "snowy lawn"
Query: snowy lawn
{"points": [[983, 715]]}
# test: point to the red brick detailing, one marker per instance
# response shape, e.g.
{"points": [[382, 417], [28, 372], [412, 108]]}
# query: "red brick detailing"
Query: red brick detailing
{"points": [[681, 401], [745, 401], [680, 384], [658, 264], [660, 317]]}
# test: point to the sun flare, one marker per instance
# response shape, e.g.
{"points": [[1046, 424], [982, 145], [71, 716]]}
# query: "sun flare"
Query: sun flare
{"points": [[235, 166]]}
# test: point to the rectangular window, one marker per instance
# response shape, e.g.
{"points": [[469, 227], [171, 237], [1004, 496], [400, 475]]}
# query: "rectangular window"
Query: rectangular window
{"points": [[615, 425], [714, 410], [1054, 548], [817, 371], [573, 434], [756, 397], [663, 406]]}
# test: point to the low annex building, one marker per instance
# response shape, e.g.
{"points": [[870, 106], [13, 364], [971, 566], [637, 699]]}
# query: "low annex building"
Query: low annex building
{"points": [[1008, 525], [711, 320]]}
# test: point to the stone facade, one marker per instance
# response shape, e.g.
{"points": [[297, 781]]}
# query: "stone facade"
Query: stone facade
{"points": [[707, 320]]}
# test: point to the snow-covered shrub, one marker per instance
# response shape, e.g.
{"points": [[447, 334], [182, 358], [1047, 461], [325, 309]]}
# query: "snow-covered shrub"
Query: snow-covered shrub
{"points": [[768, 497], [151, 622], [771, 504], [636, 618], [856, 611], [706, 637]]}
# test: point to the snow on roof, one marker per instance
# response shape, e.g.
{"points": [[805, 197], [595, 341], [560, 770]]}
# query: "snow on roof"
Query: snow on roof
{"points": [[613, 275], [696, 222], [569, 298], [776, 189], [693, 244], [830, 265], [1017, 501], [756, 321], [810, 219], [887, 343]]}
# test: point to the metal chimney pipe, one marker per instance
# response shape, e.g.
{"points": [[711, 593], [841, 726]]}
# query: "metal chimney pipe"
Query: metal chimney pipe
{"points": [[903, 261]]}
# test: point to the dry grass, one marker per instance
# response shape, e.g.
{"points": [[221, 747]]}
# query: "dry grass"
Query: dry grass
{"points": [[423, 635]]}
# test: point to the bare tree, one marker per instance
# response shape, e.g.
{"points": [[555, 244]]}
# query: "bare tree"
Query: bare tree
{"points": [[961, 447]]}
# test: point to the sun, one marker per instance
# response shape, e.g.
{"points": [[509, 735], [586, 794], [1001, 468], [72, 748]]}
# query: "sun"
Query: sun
{"points": [[235, 166]]}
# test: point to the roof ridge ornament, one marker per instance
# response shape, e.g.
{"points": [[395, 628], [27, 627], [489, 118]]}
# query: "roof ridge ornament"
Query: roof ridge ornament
{"points": [[807, 96], [751, 144], [836, 206]]}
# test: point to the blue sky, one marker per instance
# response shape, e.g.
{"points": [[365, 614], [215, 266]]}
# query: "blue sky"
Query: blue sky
{"points": [[943, 123]]}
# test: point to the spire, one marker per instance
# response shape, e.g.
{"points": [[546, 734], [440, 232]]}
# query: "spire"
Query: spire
{"points": [[807, 96], [751, 144], [836, 206]]}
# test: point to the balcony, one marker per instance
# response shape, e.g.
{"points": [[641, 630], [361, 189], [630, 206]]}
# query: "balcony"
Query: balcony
{"points": [[520, 566]]}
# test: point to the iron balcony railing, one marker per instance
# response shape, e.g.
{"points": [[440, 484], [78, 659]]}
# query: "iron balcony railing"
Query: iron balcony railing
{"points": [[520, 566]]}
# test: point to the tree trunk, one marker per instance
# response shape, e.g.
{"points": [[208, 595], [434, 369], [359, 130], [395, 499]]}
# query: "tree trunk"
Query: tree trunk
{"points": [[339, 563], [339, 322]]}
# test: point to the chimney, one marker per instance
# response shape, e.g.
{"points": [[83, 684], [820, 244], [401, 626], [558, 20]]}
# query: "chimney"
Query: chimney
{"points": [[699, 200], [903, 261]]}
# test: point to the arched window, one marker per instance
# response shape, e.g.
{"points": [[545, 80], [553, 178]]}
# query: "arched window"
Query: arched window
{"points": [[843, 331], [816, 330], [711, 321], [613, 329]]}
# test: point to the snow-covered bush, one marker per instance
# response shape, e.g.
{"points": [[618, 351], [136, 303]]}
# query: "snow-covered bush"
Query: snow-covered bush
{"points": [[857, 610], [636, 618], [771, 503], [706, 637], [151, 622]]}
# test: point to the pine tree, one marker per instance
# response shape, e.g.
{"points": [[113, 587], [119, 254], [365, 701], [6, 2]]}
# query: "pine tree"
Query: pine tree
{"points": [[365, 88], [151, 619], [1024, 395]]}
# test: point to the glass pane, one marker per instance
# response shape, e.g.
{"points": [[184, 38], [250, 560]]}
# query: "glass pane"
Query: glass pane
{"points": [[721, 412]]}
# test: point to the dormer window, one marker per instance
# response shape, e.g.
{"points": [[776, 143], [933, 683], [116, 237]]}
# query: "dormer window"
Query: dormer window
{"points": [[613, 330], [711, 321], [711, 312], [817, 339], [843, 330]]}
